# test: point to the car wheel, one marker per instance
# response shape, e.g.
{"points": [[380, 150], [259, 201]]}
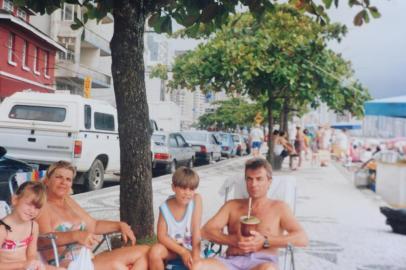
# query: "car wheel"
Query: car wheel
{"points": [[210, 160], [95, 176], [191, 162], [171, 167]]}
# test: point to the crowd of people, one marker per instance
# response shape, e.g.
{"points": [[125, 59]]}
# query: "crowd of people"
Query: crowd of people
{"points": [[47, 207]]}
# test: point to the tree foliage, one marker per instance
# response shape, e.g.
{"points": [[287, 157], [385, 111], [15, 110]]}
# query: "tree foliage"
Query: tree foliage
{"points": [[283, 56], [229, 114], [128, 71]]}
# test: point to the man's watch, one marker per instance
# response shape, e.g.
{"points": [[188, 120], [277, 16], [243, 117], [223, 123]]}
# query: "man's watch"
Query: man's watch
{"points": [[266, 242]]}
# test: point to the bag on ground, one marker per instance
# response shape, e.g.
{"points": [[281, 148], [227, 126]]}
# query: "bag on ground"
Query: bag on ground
{"points": [[83, 261]]}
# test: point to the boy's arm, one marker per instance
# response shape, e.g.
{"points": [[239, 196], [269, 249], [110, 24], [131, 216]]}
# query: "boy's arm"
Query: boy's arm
{"points": [[196, 221], [213, 229], [164, 239]]}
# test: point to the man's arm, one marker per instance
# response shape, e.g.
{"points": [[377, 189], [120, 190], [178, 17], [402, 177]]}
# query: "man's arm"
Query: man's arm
{"points": [[288, 222], [213, 229]]}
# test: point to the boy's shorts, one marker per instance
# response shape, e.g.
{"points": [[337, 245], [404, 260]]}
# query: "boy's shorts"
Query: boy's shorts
{"points": [[248, 261], [256, 145]]}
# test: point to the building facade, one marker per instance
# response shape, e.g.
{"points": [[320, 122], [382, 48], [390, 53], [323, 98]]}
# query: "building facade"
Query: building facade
{"points": [[87, 49], [27, 55]]}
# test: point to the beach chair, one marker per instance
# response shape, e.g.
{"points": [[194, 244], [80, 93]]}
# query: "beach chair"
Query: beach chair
{"points": [[282, 188]]}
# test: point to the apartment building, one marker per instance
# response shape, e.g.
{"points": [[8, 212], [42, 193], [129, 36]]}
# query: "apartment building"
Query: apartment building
{"points": [[27, 55], [88, 50]]}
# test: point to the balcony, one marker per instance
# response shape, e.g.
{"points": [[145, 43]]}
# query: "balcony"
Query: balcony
{"points": [[75, 73], [92, 39]]}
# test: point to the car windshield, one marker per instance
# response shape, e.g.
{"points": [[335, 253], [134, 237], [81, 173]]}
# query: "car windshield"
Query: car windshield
{"points": [[224, 138], [194, 136], [158, 139]]}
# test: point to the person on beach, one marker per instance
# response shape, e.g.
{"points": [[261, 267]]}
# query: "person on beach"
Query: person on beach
{"points": [[178, 228], [278, 226]]}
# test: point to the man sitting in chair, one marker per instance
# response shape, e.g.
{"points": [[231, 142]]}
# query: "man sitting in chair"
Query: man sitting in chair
{"points": [[278, 226]]}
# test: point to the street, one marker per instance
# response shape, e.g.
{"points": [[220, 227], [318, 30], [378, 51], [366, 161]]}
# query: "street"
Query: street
{"points": [[344, 225]]}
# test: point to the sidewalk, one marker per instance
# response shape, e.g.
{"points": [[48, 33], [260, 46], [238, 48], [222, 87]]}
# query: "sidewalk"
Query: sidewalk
{"points": [[345, 227]]}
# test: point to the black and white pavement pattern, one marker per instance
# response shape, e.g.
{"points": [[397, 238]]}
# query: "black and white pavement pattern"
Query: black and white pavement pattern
{"points": [[344, 225]]}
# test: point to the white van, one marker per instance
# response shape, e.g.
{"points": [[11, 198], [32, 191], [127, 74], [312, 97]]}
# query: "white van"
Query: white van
{"points": [[42, 128]]}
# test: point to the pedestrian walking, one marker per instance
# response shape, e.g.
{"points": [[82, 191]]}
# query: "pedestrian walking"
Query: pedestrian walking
{"points": [[256, 138]]}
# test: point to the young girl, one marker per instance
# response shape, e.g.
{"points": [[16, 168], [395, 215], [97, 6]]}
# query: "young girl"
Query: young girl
{"points": [[19, 231], [179, 223]]}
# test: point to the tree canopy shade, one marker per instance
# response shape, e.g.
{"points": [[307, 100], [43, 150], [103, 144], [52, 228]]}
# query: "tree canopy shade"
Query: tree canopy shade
{"points": [[127, 46], [283, 56]]}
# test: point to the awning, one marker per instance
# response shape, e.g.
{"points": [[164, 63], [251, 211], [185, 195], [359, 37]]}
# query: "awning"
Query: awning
{"points": [[392, 107], [346, 126]]}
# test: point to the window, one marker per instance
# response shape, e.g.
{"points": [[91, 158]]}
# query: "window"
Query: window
{"points": [[11, 49], [69, 55], [68, 12], [36, 61], [22, 14], [181, 141], [38, 113], [25, 55], [8, 5], [46, 64], [172, 141], [88, 117], [103, 121]]}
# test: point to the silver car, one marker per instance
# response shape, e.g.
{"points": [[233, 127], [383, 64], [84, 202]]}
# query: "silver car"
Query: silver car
{"points": [[207, 147], [170, 150]]}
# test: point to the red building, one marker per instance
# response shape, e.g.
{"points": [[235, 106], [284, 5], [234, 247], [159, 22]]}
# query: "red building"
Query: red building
{"points": [[27, 55]]}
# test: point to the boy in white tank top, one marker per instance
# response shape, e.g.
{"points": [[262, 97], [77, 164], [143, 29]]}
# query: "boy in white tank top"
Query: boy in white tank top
{"points": [[178, 228]]}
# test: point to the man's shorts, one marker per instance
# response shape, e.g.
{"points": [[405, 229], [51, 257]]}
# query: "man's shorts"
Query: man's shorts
{"points": [[248, 261], [256, 145]]}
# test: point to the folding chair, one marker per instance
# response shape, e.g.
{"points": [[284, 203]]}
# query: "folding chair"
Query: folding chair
{"points": [[282, 188]]}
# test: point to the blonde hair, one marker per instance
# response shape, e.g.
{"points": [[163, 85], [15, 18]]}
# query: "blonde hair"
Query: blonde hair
{"points": [[185, 177], [60, 165], [38, 189]]}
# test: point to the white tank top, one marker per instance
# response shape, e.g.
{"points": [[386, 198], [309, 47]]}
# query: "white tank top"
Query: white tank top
{"points": [[180, 231]]}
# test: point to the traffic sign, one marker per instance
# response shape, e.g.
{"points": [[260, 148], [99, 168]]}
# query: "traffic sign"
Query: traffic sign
{"points": [[87, 86], [258, 118]]}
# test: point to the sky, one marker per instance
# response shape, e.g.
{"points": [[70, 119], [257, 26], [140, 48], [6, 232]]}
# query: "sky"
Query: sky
{"points": [[377, 50]]}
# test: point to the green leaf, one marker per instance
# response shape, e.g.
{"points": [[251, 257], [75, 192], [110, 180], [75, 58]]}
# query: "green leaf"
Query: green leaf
{"points": [[209, 12], [327, 3], [358, 19], [166, 25], [365, 15], [374, 12], [153, 19]]}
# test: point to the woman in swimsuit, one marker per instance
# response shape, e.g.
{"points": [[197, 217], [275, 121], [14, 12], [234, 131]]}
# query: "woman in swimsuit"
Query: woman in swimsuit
{"points": [[18, 231], [74, 227]]}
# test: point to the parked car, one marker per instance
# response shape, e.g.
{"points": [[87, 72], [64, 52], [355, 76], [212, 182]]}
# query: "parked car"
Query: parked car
{"points": [[228, 147], [42, 128], [8, 167], [170, 150], [241, 145], [207, 147]]}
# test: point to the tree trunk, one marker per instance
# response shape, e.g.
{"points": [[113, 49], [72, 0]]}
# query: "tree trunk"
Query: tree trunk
{"points": [[285, 115], [127, 46], [270, 154]]}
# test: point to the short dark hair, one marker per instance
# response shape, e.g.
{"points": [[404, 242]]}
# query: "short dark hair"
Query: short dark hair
{"points": [[185, 177], [256, 163]]}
